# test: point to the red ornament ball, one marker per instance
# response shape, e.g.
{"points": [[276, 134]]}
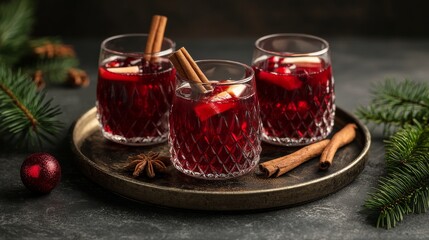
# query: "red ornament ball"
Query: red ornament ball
{"points": [[40, 172]]}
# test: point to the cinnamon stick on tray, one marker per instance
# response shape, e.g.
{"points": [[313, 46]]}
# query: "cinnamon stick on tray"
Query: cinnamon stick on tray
{"points": [[282, 165], [156, 34], [327, 148], [189, 70], [341, 138]]}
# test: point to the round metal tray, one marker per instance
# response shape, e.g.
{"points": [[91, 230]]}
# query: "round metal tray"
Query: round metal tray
{"points": [[99, 159]]}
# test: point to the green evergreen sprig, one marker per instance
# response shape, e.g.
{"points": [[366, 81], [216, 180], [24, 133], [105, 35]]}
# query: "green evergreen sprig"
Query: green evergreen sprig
{"points": [[405, 189], [54, 70], [402, 107], [27, 119], [17, 47], [408, 145], [395, 104], [16, 21]]}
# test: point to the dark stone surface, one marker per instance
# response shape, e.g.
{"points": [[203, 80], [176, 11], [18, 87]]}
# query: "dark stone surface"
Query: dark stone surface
{"points": [[80, 209]]}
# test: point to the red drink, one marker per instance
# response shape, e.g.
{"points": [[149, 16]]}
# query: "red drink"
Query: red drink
{"points": [[133, 99], [296, 96], [215, 135]]}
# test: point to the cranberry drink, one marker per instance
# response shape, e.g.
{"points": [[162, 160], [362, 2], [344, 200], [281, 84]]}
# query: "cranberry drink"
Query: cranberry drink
{"points": [[296, 96], [133, 99], [215, 135]]}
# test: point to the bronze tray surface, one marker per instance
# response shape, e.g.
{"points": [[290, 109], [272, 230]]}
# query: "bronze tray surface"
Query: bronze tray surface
{"points": [[101, 160]]}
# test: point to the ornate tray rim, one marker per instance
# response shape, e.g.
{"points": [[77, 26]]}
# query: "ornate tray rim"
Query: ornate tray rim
{"points": [[91, 170]]}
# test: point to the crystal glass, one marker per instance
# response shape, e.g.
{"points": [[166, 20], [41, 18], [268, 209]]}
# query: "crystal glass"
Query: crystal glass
{"points": [[216, 134], [134, 90], [295, 88]]}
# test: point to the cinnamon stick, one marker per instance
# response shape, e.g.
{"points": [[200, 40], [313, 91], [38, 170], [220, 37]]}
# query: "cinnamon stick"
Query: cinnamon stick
{"points": [[341, 138], [157, 44], [282, 165], [156, 34], [194, 66], [189, 70]]}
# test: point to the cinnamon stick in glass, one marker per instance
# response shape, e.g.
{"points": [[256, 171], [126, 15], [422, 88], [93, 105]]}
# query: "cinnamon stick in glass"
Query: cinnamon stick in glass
{"points": [[189, 70], [156, 34]]}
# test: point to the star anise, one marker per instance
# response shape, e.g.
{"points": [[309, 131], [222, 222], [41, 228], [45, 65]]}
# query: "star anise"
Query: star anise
{"points": [[147, 164]]}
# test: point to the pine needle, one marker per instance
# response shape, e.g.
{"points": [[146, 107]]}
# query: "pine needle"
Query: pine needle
{"points": [[55, 70], [402, 192], [16, 21], [27, 119], [405, 188], [409, 144], [19, 50], [402, 107], [396, 104]]}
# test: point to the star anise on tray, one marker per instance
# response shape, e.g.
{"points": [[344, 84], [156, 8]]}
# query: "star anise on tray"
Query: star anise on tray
{"points": [[148, 164]]}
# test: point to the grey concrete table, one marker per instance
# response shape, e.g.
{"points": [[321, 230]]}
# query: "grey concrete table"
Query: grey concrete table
{"points": [[80, 209]]}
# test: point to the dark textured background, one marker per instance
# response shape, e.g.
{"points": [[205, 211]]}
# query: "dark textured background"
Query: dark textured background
{"points": [[234, 18]]}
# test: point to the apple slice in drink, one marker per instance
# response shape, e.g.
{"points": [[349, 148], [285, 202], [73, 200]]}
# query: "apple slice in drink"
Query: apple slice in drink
{"points": [[131, 69], [220, 102], [305, 62], [286, 81], [284, 76], [120, 73]]}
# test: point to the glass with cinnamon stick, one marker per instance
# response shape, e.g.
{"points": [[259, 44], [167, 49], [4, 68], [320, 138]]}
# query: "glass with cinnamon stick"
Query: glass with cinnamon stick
{"points": [[135, 89], [214, 123], [295, 88]]}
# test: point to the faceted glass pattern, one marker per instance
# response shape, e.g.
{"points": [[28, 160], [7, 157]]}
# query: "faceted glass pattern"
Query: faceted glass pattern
{"points": [[216, 134], [229, 147], [295, 88], [134, 90], [296, 124], [135, 112]]}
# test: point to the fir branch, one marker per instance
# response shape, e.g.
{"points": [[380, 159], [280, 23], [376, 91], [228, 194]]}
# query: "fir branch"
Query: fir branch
{"points": [[409, 144], [397, 104], [55, 70], [54, 65], [400, 193], [405, 189], [16, 21], [43, 55], [26, 118], [404, 107]]}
